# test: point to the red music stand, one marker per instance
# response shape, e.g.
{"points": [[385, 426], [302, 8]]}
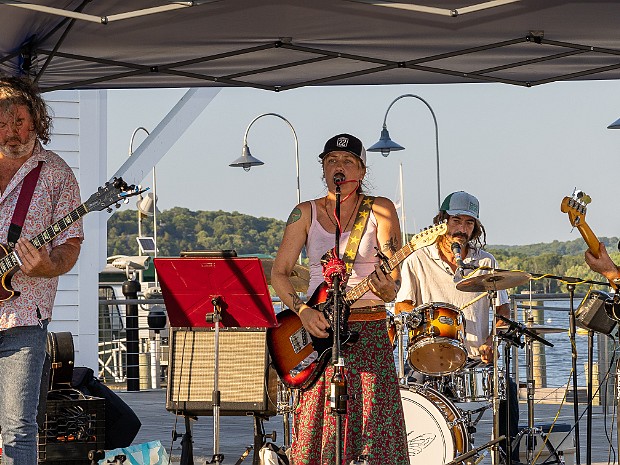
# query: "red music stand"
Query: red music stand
{"points": [[189, 284], [207, 292]]}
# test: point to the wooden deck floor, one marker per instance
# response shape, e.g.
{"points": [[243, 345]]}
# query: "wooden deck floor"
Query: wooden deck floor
{"points": [[236, 433]]}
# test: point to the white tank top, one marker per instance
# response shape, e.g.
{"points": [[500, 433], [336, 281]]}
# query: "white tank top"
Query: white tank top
{"points": [[320, 241]]}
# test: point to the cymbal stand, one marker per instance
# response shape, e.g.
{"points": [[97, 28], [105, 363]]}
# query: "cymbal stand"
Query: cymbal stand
{"points": [[572, 330], [511, 337], [495, 402], [531, 431]]}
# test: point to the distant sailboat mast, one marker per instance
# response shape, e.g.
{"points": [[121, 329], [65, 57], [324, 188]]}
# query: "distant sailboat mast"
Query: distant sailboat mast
{"points": [[403, 216]]}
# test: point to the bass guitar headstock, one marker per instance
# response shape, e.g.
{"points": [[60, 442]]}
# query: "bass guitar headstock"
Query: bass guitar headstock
{"points": [[575, 206]]}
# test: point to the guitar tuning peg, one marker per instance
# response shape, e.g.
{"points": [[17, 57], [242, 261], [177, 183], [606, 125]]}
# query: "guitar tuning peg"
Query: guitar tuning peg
{"points": [[585, 198], [109, 210], [118, 205]]}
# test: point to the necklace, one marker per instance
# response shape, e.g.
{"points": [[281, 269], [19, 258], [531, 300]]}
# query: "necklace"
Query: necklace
{"points": [[350, 217]]}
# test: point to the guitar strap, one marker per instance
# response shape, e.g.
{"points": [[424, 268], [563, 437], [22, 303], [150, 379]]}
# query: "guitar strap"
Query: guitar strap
{"points": [[359, 226], [23, 203]]}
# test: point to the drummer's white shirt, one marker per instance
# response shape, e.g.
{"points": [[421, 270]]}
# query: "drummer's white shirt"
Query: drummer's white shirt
{"points": [[426, 278]]}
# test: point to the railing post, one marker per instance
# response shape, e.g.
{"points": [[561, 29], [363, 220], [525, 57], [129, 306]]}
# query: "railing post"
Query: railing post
{"points": [[130, 291]]}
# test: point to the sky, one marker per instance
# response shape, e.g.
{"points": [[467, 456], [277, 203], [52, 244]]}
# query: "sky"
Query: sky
{"points": [[520, 151]]}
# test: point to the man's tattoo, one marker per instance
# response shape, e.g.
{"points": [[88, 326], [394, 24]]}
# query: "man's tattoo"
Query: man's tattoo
{"points": [[390, 245], [294, 216], [297, 302]]}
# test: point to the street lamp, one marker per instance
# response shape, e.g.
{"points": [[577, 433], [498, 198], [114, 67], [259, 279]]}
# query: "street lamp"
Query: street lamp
{"points": [[247, 161], [147, 203], [385, 144]]}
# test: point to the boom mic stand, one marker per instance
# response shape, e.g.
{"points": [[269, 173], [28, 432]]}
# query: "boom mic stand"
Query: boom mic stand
{"points": [[339, 396]]}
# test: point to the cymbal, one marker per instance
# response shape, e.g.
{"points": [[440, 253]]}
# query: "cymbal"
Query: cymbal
{"points": [[543, 329], [300, 275], [494, 281]]}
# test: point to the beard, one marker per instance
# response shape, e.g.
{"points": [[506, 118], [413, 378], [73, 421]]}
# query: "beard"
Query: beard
{"points": [[23, 149]]}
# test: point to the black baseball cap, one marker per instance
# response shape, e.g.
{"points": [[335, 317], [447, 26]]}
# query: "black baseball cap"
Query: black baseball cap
{"points": [[345, 143]]}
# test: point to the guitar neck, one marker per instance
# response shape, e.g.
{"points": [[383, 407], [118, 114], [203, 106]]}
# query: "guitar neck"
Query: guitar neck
{"points": [[590, 238], [362, 287], [593, 244], [10, 261]]}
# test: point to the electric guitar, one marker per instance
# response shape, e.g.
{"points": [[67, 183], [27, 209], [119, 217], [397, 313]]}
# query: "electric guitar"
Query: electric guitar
{"points": [[300, 358], [575, 206], [111, 193]]}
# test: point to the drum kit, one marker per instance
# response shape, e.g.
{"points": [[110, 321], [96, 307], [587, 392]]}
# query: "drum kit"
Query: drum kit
{"points": [[444, 395]]}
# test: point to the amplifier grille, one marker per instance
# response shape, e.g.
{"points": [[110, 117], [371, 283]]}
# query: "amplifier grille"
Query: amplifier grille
{"points": [[246, 382]]}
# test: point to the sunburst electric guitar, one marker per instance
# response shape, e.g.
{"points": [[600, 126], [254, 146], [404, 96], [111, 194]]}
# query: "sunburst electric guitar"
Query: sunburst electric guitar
{"points": [[109, 194], [300, 358], [575, 206]]}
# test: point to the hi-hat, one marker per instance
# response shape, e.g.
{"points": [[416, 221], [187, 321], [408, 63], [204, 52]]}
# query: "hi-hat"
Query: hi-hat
{"points": [[543, 329], [494, 281], [300, 275]]}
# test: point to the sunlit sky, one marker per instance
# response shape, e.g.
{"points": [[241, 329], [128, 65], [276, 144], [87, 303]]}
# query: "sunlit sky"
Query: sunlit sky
{"points": [[519, 150]]}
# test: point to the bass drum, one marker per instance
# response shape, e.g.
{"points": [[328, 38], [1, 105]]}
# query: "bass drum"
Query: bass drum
{"points": [[436, 431]]}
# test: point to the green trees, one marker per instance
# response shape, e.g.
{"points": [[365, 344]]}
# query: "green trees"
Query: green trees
{"points": [[180, 229]]}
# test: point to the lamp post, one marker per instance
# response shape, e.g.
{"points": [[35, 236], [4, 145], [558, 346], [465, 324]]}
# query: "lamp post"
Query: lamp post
{"points": [[247, 161], [385, 145], [133, 135]]}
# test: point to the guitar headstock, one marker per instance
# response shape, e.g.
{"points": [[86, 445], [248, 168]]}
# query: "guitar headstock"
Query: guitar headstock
{"points": [[575, 206], [111, 193], [429, 235]]}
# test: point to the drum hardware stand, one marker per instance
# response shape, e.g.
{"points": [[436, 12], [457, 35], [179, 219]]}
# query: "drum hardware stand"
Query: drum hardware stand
{"points": [[531, 431], [511, 338], [461, 458], [572, 329]]}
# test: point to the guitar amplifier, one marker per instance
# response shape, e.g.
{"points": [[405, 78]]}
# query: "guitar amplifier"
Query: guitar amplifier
{"points": [[591, 313], [246, 381]]}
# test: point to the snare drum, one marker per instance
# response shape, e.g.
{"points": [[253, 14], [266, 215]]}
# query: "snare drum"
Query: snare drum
{"points": [[472, 384], [436, 345], [436, 431]]}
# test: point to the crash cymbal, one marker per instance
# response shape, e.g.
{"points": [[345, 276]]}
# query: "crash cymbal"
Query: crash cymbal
{"points": [[300, 275], [544, 329], [494, 281]]}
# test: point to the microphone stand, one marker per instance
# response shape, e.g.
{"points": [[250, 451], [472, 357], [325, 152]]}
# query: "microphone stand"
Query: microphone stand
{"points": [[339, 396]]}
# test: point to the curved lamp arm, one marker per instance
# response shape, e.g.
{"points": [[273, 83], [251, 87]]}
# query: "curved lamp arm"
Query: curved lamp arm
{"points": [[245, 144], [436, 135], [133, 135]]}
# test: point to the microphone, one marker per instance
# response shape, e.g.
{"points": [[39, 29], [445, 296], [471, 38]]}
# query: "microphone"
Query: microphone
{"points": [[456, 250], [338, 178]]}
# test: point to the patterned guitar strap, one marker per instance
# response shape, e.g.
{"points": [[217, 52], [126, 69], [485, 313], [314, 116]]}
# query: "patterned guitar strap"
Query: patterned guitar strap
{"points": [[359, 226]]}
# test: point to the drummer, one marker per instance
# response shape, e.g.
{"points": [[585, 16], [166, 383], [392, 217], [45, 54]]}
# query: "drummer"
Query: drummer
{"points": [[430, 275]]}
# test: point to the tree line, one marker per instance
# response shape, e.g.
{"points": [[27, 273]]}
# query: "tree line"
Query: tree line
{"points": [[180, 229]]}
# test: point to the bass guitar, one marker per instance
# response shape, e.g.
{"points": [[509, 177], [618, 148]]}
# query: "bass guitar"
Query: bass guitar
{"points": [[576, 206], [109, 194], [300, 358]]}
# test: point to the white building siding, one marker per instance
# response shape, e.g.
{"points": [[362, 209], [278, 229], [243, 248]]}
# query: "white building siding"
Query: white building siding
{"points": [[79, 137]]}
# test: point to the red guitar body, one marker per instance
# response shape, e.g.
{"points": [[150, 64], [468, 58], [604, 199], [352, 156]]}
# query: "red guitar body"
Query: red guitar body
{"points": [[298, 357]]}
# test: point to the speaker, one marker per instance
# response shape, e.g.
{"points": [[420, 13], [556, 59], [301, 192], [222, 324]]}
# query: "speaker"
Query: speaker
{"points": [[246, 381], [591, 313]]}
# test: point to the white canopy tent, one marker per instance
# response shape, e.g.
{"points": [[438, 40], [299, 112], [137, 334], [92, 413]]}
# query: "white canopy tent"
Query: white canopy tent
{"points": [[283, 44]]}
